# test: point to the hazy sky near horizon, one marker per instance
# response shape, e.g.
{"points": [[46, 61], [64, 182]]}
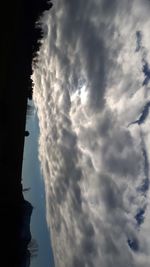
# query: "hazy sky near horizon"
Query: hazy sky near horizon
{"points": [[92, 95], [32, 178]]}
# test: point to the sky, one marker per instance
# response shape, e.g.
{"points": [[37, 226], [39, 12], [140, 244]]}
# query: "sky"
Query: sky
{"points": [[92, 96], [32, 178]]}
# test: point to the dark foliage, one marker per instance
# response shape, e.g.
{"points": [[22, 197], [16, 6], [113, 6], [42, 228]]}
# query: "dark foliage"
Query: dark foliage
{"points": [[18, 45]]}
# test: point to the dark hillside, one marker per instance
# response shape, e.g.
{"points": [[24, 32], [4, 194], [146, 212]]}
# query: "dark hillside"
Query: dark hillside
{"points": [[18, 45]]}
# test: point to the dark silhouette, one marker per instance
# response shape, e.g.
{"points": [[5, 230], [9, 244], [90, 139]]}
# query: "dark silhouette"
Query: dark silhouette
{"points": [[18, 46], [27, 133], [30, 93]]}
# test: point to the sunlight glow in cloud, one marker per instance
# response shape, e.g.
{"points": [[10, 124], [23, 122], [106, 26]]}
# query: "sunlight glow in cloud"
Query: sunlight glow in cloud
{"points": [[91, 91]]}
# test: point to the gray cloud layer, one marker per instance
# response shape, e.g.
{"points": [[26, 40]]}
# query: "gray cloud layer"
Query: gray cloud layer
{"points": [[88, 90]]}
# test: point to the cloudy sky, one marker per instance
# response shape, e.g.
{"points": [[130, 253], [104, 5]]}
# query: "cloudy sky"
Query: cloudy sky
{"points": [[91, 91]]}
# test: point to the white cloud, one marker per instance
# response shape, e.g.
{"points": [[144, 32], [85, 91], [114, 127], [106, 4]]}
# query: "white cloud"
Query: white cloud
{"points": [[88, 87]]}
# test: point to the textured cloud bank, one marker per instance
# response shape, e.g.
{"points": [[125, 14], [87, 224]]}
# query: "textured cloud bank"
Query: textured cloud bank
{"points": [[91, 91]]}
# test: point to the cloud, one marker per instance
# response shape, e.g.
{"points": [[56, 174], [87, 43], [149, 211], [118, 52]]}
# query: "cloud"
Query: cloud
{"points": [[89, 92], [138, 41]]}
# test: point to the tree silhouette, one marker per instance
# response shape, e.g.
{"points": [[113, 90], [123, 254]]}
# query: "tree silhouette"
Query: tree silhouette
{"points": [[27, 133]]}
